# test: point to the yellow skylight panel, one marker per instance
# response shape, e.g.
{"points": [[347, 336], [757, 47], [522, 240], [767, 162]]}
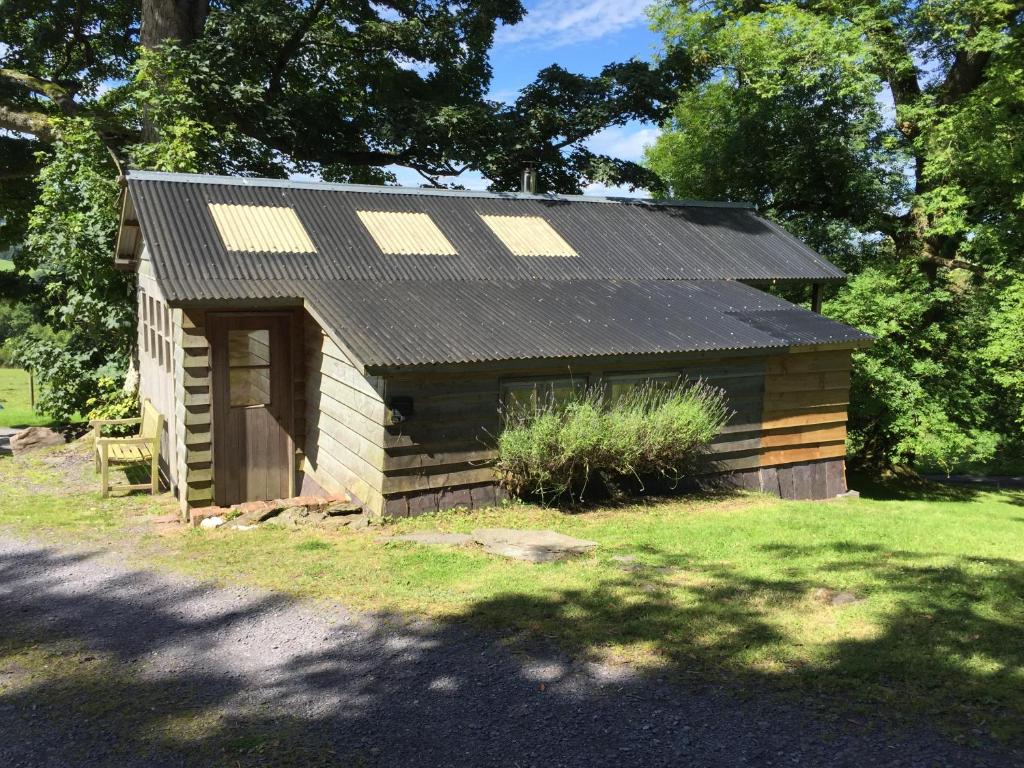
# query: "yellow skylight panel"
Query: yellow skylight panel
{"points": [[398, 232], [528, 236], [260, 229]]}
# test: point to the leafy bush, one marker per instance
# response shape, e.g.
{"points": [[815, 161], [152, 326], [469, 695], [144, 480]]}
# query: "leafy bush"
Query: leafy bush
{"points": [[113, 401], [555, 448]]}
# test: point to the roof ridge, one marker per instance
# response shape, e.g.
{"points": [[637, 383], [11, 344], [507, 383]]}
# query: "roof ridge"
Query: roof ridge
{"points": [[247, 181]]}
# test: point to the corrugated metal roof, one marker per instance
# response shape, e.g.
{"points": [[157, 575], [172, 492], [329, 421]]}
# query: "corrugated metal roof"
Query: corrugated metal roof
{"points": [[625, 240], [433, 322], [648, 278]]}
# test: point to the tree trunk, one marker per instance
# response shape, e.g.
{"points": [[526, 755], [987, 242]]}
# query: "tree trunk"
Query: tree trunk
{"points": [[180, 20]]}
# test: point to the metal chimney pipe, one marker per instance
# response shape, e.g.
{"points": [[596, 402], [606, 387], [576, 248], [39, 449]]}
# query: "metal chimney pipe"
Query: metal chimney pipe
{"points": [[528, 181]]}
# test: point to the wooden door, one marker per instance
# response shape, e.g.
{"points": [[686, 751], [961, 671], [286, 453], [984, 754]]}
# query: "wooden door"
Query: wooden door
{"points": [[252, 407]]}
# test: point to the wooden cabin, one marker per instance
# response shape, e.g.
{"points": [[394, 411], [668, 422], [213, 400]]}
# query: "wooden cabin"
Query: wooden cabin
{"points": [[311, 337]]}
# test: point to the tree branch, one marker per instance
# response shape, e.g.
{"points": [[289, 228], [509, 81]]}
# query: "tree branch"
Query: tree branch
{"points": [[293, 44], [55, 93], [22, 121]]}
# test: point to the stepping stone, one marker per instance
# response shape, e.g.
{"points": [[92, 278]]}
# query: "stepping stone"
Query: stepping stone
{"points": [[531, 546], [436, 538]]}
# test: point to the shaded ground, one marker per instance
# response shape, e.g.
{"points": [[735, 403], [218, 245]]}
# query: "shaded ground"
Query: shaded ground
{"points": [[103, 665]]}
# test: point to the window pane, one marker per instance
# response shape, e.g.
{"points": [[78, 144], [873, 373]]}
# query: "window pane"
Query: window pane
{"points": [[620, 385], [525, 396], [561, 391], [248, 348], [250, 386], [519, 397]]}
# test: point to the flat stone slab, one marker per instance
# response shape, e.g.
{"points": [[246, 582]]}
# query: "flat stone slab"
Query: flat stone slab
{"points": [[436, 538], [531, 546]]}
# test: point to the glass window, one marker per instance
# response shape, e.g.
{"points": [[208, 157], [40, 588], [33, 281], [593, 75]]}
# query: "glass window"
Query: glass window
{"points": [[249, 367], [520, 397], [621, 385], [248, 348], [250, 386]]}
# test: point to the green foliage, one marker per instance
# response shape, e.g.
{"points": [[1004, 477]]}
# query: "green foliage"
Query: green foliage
{"points": [[86, 303], [113, 401], [552, 449], [1004, 350], [887, 137]]}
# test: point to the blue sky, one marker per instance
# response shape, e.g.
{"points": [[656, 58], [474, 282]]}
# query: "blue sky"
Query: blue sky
{"points": [[582, 36]]}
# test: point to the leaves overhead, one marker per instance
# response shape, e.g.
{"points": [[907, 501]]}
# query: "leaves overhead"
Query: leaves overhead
{"points": [[889, 136]]}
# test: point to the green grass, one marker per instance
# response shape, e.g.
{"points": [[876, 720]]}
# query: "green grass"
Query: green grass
{"points": [[15, 399], [6, 265], [725, 590]]}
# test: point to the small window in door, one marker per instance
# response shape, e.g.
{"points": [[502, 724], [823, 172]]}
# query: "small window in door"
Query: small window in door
{"points": [[249, 367]]}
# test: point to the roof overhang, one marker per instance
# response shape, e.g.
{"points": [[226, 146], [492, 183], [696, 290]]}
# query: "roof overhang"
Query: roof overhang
{"points": [[129, 235]]}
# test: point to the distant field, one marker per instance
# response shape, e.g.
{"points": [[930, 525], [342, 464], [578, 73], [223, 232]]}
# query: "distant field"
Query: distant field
{"points": [[14, 397]]}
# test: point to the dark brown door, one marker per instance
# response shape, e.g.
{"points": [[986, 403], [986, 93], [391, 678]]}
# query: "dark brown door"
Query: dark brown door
{"points": [[252, 407]]}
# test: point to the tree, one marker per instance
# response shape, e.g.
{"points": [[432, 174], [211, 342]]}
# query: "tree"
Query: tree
{"points": [[887, 134], [339, 88]]}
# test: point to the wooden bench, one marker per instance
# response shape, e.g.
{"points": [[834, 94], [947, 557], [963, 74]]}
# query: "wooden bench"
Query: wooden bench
{"points": [[144, 447]]}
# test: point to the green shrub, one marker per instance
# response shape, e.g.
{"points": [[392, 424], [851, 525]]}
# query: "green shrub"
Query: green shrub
{"points": [[113, 401], [552, 449]]}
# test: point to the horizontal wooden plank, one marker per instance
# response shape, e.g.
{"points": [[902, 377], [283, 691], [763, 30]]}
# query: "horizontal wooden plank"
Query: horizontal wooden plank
{"points": [[734, 446], [196, 435], [797, 418], [342, 372], [448, 477], [803, 382], [412, 432], [776, 401], [319, 444], [200, 474], [805, 435], [372, 408], [810, 453], [196, 396], [808, 363], [369, 450], [349, 417], [414, 461]]}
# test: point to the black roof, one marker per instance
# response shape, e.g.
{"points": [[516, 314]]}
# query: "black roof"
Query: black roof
{"points": [[625, 239], [649, 279]]}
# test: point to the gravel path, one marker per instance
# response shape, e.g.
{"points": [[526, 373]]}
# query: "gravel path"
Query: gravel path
{"points": [[260, 679]]}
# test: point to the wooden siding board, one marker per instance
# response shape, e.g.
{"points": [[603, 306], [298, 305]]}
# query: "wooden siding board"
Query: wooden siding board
{"points": [[343, 423]]}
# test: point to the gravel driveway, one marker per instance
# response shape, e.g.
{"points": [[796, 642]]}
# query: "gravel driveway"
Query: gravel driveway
{"points": [[196, 675]]}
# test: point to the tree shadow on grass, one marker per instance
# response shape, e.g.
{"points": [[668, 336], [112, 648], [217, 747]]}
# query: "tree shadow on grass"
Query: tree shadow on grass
{"points": [[910, 488], [108, 666]]}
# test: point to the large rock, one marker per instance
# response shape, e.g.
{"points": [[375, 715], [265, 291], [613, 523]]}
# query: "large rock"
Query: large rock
{"points": [[35, 437], [532, 546]]}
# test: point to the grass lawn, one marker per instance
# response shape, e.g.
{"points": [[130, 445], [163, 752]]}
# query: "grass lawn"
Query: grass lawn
{"points": [[14, 397], [724, 590]]}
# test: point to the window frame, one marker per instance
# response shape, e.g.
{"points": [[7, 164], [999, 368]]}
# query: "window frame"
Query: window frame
{"points": [[578, 383]]}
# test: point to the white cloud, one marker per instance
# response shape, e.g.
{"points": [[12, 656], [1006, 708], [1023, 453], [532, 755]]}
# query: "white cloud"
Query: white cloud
{"points": [[558, 23], [626, 142]]}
